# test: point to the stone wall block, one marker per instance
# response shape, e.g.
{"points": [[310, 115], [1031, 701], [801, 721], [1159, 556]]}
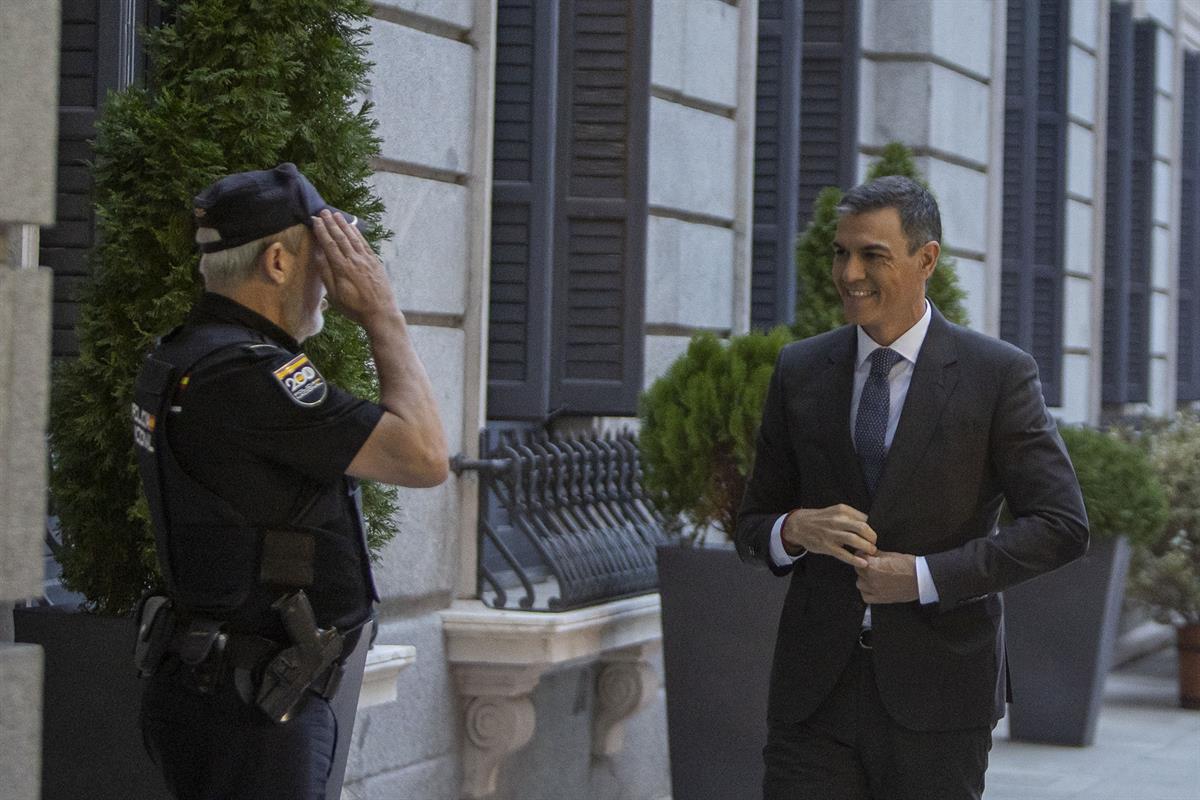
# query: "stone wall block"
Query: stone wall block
{"points": [[693, 160], [1085, 18], [689, 274], [1077, 381], [1077, 310], [902, 97], [962, 197], [423, 723], [422, 86], [695, 46], [423, 558], [457, 13], [1081, 160], [427, 256], [20, 721], [434, 779], [896, 26], [1081, 78], [961, 33], [1080, 243], [661, 352], [29, 32], [25, 372], [957, 98]]}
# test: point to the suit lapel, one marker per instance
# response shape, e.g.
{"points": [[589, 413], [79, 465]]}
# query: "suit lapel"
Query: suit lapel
{"points": [[933, 380], [839, 377]]}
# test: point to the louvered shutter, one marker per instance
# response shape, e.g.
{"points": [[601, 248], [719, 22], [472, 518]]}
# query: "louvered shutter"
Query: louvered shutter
{"points": [[1035, 130], [600, 206], [1188, 354], [829, 99], [522, 210], [1117, 198], [1141, 218], [776, 164], [97, 54]]}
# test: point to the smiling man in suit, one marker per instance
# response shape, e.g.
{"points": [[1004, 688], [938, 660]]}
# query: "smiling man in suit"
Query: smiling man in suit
{"points": [[885, 452]]}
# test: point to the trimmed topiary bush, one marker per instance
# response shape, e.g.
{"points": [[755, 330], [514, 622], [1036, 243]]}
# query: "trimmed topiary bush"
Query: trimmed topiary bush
{"points": [[1165, 574], [818, 306], [699, 421], [1121, 491], [233, 90]]}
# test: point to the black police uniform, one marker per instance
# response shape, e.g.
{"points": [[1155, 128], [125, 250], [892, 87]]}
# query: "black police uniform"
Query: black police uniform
{"points": [[244, 447]]}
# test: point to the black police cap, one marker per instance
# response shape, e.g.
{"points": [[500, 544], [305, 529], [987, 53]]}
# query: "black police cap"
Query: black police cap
{"points": [[250, 205]]}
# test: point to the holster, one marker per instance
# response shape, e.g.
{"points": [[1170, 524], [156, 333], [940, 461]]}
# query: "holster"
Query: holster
{"points": [[311, 659], [155, 628]]}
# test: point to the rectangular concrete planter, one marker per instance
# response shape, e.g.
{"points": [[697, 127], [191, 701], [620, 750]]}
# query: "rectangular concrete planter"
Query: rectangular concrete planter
{"points": [[91, 740], [1061, 630], [719, 618]]}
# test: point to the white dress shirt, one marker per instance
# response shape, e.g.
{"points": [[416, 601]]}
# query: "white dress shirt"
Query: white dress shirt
{"points": [[899, 379]]}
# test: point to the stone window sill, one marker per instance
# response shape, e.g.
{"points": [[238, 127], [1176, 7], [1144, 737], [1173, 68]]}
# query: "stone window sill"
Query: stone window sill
{"points": [[384, 664], [498, 656]]}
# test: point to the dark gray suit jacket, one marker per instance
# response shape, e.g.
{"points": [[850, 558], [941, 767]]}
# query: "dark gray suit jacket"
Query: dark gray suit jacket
{"points": [[974, 431]]}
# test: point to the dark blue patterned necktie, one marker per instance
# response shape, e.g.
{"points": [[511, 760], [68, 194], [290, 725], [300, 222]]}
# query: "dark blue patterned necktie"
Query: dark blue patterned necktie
{"points": [[874, 407]]}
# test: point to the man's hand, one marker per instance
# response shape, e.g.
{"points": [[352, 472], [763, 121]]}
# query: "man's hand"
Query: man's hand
{"points": [[354, 277], [888, 578], [839, 531]]}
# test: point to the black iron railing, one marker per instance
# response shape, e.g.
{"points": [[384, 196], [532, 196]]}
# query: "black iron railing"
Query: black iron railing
{"points": [[563, 519]]}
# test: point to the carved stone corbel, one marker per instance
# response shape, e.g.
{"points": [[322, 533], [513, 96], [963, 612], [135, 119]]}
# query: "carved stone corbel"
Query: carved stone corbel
{"points": [[625, 683], [499, 720]]}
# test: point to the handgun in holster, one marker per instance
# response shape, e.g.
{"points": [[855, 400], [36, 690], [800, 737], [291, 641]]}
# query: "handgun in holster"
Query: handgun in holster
{"points": [[290, 673]]}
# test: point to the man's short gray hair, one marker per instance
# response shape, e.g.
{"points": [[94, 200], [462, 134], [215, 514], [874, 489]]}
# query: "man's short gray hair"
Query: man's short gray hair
{"points": [[919, 216], [231, 267]]}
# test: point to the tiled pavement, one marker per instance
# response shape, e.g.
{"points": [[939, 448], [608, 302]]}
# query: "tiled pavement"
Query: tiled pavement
{"points": [[1147, 748]]}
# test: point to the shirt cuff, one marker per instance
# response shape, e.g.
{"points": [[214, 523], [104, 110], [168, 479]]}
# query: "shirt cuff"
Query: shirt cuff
{"points": [[926, 590], [779, 555]]}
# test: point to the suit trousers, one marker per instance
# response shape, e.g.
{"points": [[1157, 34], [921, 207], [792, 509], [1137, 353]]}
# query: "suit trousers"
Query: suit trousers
{"points": [[215, 747], [850, 748]]}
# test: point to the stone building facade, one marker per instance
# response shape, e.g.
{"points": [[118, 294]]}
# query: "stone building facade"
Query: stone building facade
{"points": [[559, 236]]}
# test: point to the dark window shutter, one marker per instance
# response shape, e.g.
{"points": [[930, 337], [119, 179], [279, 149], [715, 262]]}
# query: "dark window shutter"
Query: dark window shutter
{"points": [[776, 165], [829, 99], [522, 207], [600, 206], [1129, 209], [97, 53], [1035, 135], [1118, 181], [1188, 354]]}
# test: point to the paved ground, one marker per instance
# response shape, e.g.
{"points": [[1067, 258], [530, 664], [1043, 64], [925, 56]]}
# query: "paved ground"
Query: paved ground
{"points": [[1147, 748]]}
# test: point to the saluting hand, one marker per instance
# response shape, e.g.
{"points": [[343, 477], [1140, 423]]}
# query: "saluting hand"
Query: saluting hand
{"points": [[355, 280], [840, 531]]}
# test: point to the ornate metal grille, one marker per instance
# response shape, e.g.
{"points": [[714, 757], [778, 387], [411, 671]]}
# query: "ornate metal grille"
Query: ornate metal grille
{"points": [[574, 525]]}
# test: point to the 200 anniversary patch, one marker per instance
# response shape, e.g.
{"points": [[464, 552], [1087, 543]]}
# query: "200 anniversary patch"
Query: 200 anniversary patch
{"points": [[300, 379]]}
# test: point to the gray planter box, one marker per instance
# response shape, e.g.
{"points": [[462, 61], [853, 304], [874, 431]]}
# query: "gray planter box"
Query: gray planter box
{"points": [[91, 739], [719, 618], [1061, 630]]}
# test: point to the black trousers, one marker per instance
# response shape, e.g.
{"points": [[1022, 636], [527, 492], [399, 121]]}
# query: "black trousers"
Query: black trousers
{"points": [[851, 749], [215, 747]]}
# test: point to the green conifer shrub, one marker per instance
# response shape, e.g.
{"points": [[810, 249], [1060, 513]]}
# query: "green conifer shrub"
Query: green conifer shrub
{"points": [[235, 86], [1121, 491], [818, 306], [699, 421]]}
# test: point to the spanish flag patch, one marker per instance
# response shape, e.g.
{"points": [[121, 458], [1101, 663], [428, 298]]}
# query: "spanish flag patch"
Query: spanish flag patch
{"points": [[300, 379]]}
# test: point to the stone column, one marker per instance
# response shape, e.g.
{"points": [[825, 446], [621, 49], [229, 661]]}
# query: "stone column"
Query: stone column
{"points": [[28, 142]]}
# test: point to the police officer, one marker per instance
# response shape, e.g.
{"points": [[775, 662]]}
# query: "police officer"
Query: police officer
{"points": [[249, 459]]}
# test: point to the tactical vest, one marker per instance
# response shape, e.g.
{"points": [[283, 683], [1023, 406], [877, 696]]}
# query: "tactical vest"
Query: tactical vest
{"points": [[214, 561]]}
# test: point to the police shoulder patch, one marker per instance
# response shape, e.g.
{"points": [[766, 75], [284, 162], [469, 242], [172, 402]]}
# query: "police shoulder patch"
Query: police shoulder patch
{"points": [[300, 379]]}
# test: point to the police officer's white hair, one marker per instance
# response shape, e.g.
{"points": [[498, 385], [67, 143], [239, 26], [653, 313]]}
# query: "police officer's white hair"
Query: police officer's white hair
{"points": [[231, 267]]}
